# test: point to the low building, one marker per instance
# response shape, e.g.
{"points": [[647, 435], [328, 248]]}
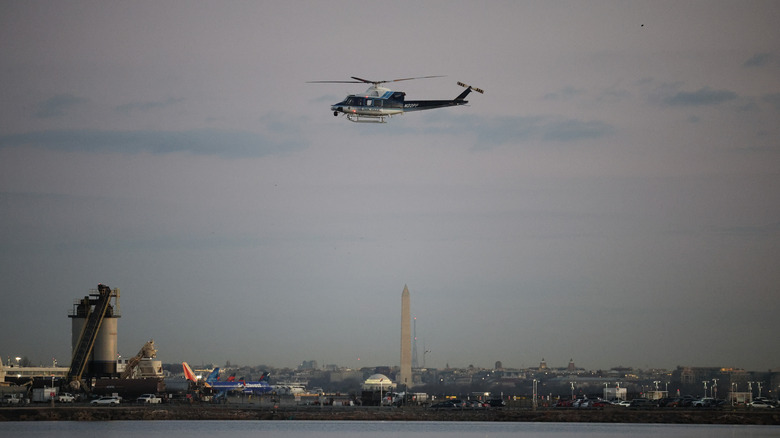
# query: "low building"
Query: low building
{"points": [[16, 372], [376, 389], [378, 382]]}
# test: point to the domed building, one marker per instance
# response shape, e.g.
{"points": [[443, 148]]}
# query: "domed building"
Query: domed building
{"points": [[378, 382]]}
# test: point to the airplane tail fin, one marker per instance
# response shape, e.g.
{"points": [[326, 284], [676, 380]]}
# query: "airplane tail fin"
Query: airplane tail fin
{"points": [[213, 376], [188, 372], [469, 89], [264, 377]]}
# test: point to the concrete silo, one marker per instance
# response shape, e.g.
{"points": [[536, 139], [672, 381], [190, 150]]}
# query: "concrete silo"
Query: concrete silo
{"points": [[101, 362]]}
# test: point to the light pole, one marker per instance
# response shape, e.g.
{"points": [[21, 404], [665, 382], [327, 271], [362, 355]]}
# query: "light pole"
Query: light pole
{"points": [[759, 388], [714, 388], [705, 387], [535, 396], [572, 390], [381, 387]]}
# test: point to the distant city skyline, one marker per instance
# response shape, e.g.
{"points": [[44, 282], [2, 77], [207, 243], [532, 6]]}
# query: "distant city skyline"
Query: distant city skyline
{"points": [[611, 197]]}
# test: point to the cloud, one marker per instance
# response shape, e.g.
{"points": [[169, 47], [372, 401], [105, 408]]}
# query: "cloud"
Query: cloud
{"points": [[56, 106], [229, 144], [573, 129], [565, 93], [492, 132], [703, 97], [772, 99], [147, 105], [757, 231], [758, 60]]}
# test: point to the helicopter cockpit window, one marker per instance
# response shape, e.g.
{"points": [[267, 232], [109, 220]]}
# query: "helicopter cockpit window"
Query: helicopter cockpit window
{"points": [[350, 101]]}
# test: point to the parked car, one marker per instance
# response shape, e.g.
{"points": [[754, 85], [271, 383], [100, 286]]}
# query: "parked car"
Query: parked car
{"points": [[704, 402], [584, 403], [496, 403], [686, 401], [719, 403], [448, 404], [148, 399], [111, 401], [624, 403], [666, 402], [640, 403], [766, 400], [66, 397], [760, 404]]}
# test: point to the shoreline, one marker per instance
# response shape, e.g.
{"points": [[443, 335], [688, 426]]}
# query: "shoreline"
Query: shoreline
{"points": [[308, 413]]}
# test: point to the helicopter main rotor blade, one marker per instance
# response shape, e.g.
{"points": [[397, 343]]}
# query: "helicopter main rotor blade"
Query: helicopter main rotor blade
{"points": [[333, 82], [358, 80], [419, 77], [394, 80]]}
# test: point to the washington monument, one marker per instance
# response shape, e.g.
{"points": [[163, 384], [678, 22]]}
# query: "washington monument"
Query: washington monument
{"points": [[405, 378]]}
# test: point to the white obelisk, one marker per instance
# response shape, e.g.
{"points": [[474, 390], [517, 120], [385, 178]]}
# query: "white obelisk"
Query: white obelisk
{"points": [[405, 378]]}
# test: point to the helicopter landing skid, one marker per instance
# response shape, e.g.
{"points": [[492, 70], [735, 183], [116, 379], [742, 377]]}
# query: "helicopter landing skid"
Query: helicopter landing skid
{"points": [[365, 119]]}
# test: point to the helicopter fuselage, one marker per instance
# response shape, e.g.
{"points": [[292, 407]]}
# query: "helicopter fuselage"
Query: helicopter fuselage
{"points": [[379, 102]]}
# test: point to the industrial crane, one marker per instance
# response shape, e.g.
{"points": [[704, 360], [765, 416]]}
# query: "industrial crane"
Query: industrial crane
{"points": [[147, 350]]}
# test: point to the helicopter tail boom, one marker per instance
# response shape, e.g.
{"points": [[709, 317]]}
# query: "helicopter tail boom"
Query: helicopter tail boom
{"points": [[419, 105]]}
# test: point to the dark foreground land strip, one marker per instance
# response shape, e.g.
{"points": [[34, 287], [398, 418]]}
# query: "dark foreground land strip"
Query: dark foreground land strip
{"points": [[207, 412]]}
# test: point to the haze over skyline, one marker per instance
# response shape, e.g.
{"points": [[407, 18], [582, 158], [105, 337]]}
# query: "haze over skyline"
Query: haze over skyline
{"points": [[611, 198]]}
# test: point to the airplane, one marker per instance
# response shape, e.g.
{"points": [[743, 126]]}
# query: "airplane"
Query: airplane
{"points": [[212, 381], [378, 102]]}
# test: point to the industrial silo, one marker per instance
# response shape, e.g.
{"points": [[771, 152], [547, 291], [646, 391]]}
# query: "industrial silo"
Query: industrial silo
{"points": [[102, 361]]}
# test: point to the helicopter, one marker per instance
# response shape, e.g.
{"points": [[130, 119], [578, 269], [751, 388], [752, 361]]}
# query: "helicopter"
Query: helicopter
{"points": [[378, 102]]}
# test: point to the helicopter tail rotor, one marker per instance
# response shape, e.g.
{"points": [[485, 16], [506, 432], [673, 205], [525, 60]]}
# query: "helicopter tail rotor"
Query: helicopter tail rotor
{"points": [[478, 90]]}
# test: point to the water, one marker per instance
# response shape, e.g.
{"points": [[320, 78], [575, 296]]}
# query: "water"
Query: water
{"points": [[375, 429]]}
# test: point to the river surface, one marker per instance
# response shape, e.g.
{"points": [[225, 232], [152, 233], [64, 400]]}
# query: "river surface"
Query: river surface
{"points": [[374, 429]]}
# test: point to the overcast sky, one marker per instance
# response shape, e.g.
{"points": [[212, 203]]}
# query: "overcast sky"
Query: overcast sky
{"points": [[612, 198]]}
